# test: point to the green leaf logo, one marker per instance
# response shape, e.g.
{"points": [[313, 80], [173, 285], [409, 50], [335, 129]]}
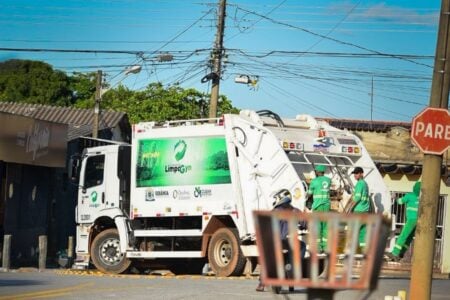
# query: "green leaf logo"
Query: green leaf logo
{"points": [[180, 150], [94, 196]]}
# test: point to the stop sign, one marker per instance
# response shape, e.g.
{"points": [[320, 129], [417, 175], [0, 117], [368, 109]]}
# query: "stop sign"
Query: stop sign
{"points": [[431, 130]]}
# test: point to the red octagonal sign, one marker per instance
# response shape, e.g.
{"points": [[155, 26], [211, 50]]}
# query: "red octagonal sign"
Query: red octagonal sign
{"points": [[431, 130]]}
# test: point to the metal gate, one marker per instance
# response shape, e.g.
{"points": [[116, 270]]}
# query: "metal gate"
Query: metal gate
{"points": [[400, 218]]}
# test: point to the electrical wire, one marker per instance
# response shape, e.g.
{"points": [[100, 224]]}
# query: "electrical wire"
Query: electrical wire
{"points": [[331, 39], [256, 22]]}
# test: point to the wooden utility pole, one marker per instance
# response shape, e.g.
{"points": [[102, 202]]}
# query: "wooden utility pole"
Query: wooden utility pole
{"points": [[371, 105], [217, 59], [98, 98], [422, 267]]}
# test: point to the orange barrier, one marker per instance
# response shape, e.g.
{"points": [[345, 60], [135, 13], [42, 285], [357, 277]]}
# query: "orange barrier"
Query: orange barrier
{"points": [[320, 272]]}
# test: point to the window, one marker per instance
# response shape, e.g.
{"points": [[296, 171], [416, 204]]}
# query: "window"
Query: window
{"points": [[95, 166]]}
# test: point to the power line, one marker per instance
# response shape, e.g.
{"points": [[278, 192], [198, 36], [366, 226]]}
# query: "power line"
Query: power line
{"points": [[256, 22], [329, 54], [183, 31], [330, 38], [97, 41], [71, 50], [334, 27]]}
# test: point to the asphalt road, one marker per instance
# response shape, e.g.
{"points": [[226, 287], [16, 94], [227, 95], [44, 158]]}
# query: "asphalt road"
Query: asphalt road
{"points": [[68, 284]]}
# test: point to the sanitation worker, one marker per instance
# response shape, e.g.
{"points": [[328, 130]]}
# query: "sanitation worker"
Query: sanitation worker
{"points": [[411, 200], [360, 203], [320, 191]]}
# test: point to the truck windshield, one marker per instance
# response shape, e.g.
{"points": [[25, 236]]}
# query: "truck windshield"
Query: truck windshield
{"points": [[94, 171]]}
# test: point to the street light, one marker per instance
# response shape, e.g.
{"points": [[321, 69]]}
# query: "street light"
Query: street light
{"points": [[133, 69]]}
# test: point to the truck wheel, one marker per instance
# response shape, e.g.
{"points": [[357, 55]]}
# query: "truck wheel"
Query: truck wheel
{"points": [[224, 253], [105, 253]]}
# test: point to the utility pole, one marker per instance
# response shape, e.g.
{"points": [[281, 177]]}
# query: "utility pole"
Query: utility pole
{"points": [[371, 105], [98, 98], [422, 267], [217, 59]]}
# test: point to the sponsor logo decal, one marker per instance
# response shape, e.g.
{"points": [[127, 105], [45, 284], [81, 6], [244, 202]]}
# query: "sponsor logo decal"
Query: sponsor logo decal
{"points": [[180, 149], [181, 194], [177, 168], [162, 193], [199, 192], [149, 195], [93, 197]]}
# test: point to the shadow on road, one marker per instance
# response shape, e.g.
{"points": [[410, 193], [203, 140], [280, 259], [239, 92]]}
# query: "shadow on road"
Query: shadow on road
{"points": [[16, 282]]}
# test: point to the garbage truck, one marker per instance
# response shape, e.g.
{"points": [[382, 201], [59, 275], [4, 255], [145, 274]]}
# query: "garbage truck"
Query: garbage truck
{"points": [[182, 193]]}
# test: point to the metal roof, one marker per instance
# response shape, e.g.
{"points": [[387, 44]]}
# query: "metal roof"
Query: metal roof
{"points": [[365, 125], [79, 120]]}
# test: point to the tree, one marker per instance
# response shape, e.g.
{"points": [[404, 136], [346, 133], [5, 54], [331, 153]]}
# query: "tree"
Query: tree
{"points": [[83, 86], [33, 82], [157, 103], [37, 82]]}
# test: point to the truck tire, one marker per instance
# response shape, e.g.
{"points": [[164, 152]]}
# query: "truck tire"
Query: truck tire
{"points": [[105, 253], [224, 253]]}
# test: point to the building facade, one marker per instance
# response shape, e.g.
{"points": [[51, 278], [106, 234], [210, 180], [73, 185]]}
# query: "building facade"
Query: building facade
{"points": [[36, 198]]}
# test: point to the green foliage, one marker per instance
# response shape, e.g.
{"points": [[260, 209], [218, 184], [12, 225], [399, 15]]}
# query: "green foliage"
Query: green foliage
{"points": [[37, 82], [33, 82], [157, 103], [83, 86]]}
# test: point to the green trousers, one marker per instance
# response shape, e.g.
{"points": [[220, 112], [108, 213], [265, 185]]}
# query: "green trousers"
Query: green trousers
{"points": [[362, 234], [405, 238], [322, 236]]}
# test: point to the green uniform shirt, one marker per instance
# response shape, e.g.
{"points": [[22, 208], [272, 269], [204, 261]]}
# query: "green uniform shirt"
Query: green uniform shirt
{"points": [[361, 196], [412, 205], [320, 189]]}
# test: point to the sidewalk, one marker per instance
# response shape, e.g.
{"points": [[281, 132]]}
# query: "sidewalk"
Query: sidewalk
{"points": [[403, 270]]}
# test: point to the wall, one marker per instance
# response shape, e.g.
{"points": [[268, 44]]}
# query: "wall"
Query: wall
{"points": [[37, 201]]}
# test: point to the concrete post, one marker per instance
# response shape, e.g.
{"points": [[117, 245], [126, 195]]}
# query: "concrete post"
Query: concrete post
{"points": [[42, 252], [70, 247], [6, 252]]}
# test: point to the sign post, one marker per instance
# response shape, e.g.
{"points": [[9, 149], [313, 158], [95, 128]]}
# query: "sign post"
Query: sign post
{"points": [[427, 130]]}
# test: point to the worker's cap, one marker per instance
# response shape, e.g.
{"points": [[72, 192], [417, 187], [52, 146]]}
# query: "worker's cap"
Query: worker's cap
{"points": [[320, 168], [358, 170]]}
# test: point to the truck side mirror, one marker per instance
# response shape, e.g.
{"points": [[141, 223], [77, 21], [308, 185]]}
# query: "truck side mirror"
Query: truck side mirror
{"points": [[74, 167]]}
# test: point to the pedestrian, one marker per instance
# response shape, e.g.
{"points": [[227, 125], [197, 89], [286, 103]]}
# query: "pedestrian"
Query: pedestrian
{"points": [[320, 191], [360, 203], [283, 201], [411, 200]]}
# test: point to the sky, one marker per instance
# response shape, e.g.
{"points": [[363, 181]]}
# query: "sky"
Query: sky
{"points": [[361, 59]]}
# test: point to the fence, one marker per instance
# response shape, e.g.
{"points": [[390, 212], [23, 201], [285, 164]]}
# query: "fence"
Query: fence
{"points": [[399, 213]]}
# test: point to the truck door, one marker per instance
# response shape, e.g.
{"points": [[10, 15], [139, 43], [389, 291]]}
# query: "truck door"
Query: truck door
{"points": [[92, 188]]}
